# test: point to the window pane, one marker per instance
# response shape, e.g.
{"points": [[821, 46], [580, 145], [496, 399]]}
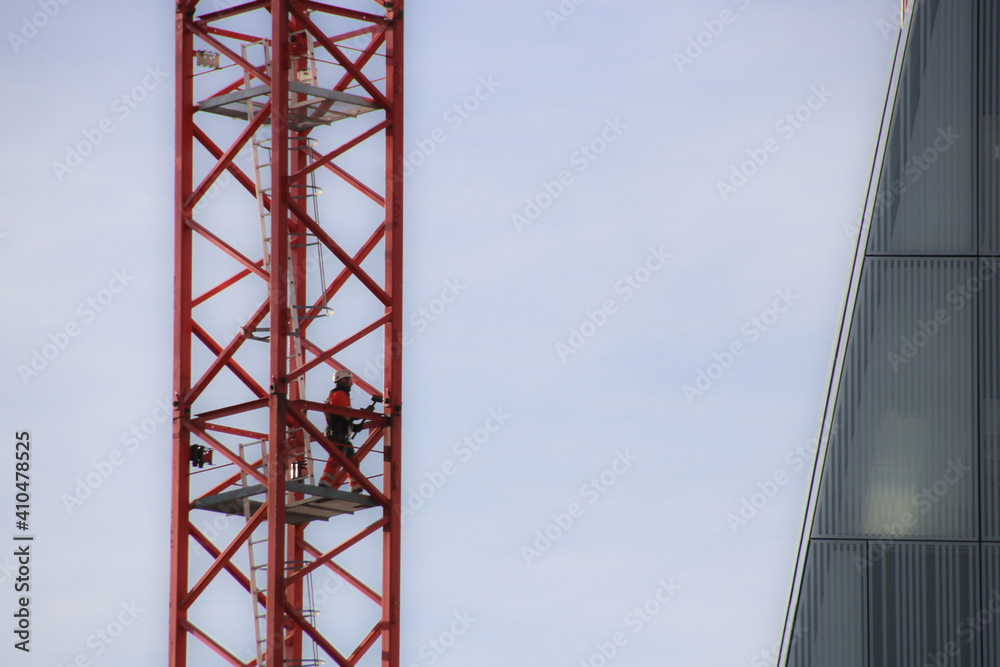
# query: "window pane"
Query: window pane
{"points": [[921, 595], [989, 126], [989, 396], [988, 617], [902, 458], [831, 625], [925, 190]]}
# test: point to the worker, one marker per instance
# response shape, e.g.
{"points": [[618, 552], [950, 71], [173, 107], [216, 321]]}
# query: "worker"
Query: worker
{"points": [[338, 429]]}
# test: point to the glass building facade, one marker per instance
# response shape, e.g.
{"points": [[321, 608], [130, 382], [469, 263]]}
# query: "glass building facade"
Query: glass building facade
{"points": [[900, 565]]}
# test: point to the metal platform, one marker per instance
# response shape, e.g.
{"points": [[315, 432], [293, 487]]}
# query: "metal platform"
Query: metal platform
{"points": [[319, 503], [321, 107]]}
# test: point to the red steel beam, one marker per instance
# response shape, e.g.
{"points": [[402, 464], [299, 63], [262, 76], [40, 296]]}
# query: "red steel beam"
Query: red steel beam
{"points": [[347, 576], [233, 479], [339, 253], [344, 61], [224, 357], [226, 555], [367, 643], [232, 11], [216, 152], [229, 53], [232, 410], [356, 184], [243, 465], [228, 249], [221, 287], [231, 430], [212, 644], [359, 257], [339, 549], [228, 157], [278, 404], [239, 36], [183, 184], [366, 55], [340, 150], [214, 552], [393, 346], [341, 11], [350, 340], [373, 439]]}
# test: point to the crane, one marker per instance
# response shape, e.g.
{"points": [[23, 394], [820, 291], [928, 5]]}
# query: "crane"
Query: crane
{"points": [[288, 267]]}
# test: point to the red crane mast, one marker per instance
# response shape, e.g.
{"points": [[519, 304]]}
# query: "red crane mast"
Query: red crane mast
{"points": [[277, 101]]}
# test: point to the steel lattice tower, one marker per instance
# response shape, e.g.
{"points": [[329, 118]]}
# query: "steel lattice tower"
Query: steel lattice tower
{"points": [[278, 282]]}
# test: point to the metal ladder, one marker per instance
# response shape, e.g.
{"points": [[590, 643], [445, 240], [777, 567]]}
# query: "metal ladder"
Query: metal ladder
{"points": [[258, 566], [260, 136], [261, 153], [258, 572]]}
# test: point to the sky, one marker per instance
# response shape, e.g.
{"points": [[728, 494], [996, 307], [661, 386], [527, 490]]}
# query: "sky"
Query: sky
{"points": [[629, 228]]}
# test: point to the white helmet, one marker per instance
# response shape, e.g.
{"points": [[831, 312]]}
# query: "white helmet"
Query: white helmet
{"points": [[341, 375]]}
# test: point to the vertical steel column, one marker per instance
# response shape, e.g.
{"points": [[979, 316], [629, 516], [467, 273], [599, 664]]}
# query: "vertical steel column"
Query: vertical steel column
{"points": [[393, 332], [278, 402], [296, 190], [179, 520]]}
